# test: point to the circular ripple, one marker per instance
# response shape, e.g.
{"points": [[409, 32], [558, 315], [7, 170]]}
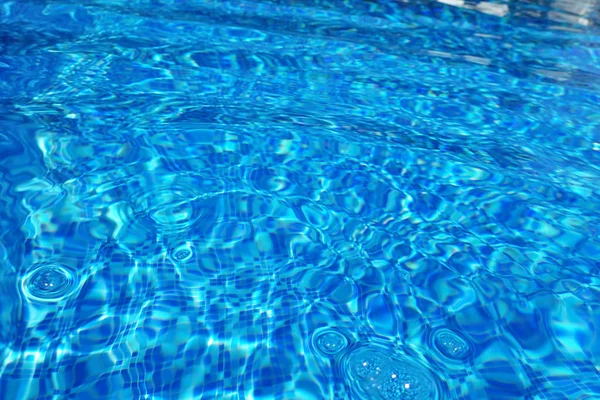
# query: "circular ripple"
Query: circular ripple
{"points": [[451, 345], [48, 283], [170, 210], [330, 342], [173, 205], [373, 374], [182, 253]]}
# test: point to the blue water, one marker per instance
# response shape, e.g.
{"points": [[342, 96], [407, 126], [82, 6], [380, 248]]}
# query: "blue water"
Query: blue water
{"points": [[310, 199]]}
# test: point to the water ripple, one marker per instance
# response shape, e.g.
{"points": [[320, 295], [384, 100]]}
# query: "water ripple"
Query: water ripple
{"points": [[373, 374], [49, 283], [256, 193]]}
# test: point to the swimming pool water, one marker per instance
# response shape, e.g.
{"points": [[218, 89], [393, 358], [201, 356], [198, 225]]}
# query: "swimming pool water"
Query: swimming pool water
{"points": [[310, 199]]}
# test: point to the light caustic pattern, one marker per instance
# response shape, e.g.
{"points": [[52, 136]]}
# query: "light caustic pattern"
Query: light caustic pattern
{"points": [[299, 200]]}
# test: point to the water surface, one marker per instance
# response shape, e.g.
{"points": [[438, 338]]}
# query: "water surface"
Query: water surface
{"points": [[299, 199]]}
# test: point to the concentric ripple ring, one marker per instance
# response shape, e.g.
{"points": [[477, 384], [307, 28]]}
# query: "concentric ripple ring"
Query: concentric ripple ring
{"points": [[329, 342], [48, 283]]}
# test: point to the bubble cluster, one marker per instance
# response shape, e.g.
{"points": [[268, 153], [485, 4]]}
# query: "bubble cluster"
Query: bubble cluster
{"points": [[182, 253], [330, 342], [48, 283], [451, 345], [373, 374]]}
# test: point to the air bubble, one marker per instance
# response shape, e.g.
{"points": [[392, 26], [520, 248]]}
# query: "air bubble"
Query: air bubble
{"points": [[373, 374], [330, 342], [451, 345], [48, 283], [182, 253]]}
